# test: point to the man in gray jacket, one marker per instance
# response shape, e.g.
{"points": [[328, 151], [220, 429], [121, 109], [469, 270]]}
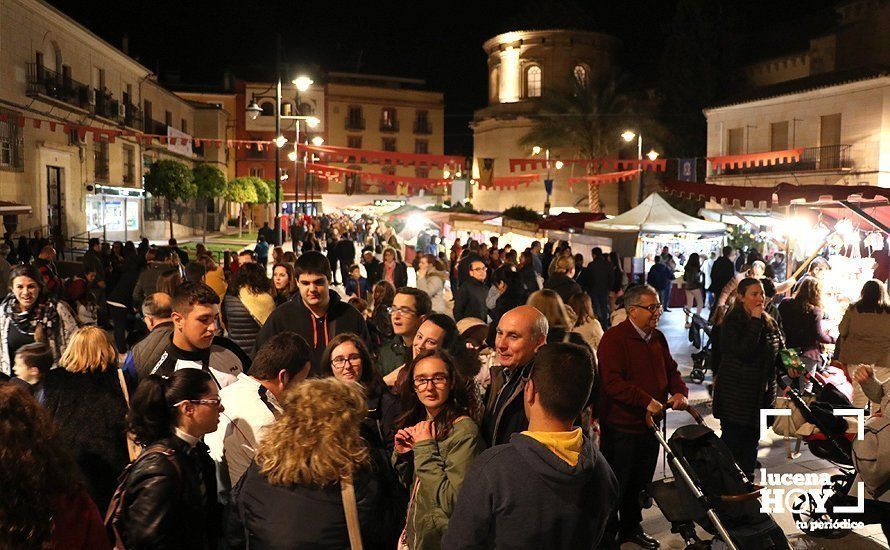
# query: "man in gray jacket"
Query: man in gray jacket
{"points": [[157, 310]]}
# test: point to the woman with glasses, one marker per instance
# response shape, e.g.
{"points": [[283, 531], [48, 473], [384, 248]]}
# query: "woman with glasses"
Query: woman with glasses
{"points": [[435, 445], [347, 359], [170, 499]]}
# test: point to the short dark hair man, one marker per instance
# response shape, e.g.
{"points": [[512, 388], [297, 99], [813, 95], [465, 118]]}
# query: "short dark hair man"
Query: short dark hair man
{"points": [[319, 314], [469, 300], [194, 344], [722, 272], [637, 374], [253, 402], [157, 311], [567, 491], [410, 307]]}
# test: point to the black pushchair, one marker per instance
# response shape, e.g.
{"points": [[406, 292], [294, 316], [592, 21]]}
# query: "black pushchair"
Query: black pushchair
{"points": [[709, 490], [701, 360]]}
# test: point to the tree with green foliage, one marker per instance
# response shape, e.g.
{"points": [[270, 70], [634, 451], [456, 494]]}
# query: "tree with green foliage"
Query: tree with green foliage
{"points": [[522, 213], [172, 180], [241, 191], [210, 183], [587, 119]]}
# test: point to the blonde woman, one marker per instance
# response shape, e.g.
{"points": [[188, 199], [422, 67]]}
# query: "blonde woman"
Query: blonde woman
{"points": [[560, 319], [86, 400], [586, 323], [290, 497]]}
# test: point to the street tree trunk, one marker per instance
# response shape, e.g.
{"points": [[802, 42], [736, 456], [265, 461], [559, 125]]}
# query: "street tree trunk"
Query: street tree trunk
{"points": [[170, 215]]}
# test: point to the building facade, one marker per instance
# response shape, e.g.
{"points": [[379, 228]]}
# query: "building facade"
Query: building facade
{"points": [[832, 100], [523, 67], [61, 87]]}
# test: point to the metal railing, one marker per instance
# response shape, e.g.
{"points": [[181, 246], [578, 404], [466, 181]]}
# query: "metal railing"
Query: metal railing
{"points": [[422, 126], [44, 81], [355, 123], [106, 106], [828, 157], [389, 125], [132, 116], [152, 126]]}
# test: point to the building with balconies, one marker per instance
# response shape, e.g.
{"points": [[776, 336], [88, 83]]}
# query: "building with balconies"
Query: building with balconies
{"points": [[56, 74]]}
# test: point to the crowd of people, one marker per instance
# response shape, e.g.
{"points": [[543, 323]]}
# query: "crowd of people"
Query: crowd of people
{"points": [[498, 402]]}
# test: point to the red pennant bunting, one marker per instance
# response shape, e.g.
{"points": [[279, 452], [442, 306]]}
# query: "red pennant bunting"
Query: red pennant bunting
{"points": [[20, 122], [3, 118], [36, 122], [52, 126]]}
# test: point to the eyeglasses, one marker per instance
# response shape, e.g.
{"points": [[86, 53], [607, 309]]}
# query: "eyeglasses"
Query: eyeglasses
{"points": [[339, 363], [216, 401], [403, 310], [438, 380], [650, 308], [482, 268]]}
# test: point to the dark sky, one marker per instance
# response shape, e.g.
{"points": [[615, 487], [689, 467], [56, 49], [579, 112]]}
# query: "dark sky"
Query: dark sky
{"points": [[440, 42]]}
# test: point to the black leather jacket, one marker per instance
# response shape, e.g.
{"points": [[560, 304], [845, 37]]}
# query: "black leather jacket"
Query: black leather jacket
{"points": [[165, 505]]}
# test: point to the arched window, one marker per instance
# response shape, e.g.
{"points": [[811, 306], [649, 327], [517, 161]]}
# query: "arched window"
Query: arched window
{"points": [[268, 108], [533, 81], [580, 73]]}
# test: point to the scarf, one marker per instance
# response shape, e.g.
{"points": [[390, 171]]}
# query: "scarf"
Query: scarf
{"points": [[42, 314], [259, 306]]}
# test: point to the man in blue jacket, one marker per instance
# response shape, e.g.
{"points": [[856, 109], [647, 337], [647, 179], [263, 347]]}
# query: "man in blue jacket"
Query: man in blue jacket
{"points": [[566, 491]]}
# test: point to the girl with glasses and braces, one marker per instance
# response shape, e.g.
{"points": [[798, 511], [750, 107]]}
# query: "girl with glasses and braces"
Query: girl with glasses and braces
{"points": [[347, 359], [436, 443]]}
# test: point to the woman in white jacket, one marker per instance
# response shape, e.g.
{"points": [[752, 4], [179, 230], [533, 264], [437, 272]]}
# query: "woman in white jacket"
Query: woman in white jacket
{"points": [[431, 277]]}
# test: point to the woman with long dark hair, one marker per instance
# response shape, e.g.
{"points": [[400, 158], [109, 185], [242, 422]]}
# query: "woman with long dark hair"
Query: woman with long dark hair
{"points": [[170, 499], [749, 344], [436, 443], [29, 314], [284, 282], [247, 305], [380, 322], [45, 503], [693, 284], [864, 336], [347, 358]]}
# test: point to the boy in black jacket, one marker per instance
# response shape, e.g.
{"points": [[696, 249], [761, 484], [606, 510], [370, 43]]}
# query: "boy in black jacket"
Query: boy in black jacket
{"points": [[318, 315], [566, 493]]}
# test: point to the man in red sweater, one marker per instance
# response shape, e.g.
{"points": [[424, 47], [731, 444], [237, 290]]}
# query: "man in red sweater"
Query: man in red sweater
{"points": [[637, 374]]}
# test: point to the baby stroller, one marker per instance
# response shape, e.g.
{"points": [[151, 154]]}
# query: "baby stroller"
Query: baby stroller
{"points": [[701, 360], [830, 439], [708, 489]]}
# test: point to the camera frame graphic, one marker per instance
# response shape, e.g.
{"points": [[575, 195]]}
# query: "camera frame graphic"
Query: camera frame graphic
{"points": [[860, 435]]}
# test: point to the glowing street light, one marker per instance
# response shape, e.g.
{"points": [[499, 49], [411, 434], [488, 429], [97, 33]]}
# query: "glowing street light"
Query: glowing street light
{"points": [[536, 150], [280, 141], [628, 135], [302, 83], [652, 155], [318, 141], [292, 156], [559, 164], [312, 121]]}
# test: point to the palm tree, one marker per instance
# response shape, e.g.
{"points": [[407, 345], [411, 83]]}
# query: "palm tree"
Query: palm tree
{"points": [[587, 119]]}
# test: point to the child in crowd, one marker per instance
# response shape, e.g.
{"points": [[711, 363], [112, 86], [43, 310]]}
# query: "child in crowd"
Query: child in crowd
{"points": [[32, 362]]}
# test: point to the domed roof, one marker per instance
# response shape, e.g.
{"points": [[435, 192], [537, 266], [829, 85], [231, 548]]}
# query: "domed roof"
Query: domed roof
{"points": [[551, 14]]}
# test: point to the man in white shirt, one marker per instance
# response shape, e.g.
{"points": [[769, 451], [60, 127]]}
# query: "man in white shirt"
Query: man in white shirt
{"points": [[253, 402]]}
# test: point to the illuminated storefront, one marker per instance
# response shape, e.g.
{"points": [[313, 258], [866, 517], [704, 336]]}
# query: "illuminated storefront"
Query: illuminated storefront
{"points": [[115, 212]]}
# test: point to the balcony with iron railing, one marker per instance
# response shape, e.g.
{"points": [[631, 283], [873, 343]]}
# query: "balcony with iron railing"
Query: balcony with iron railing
{"points": [[154, 127], [389, 125], [106, 106], [132, 116], [355, 123], [50, 84], [423, 126], [828, 157]]}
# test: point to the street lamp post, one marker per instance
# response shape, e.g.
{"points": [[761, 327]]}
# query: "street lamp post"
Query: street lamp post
{"points": [[628, 136]]}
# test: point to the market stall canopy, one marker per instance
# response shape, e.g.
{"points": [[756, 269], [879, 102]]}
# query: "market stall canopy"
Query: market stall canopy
{"points": [[570, 220], [655, 215], [8, 208], [782, 194]]}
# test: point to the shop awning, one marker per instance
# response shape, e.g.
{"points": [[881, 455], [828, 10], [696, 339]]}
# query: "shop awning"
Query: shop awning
{"points": [[655, 215], [8, 208], [782, 194]]}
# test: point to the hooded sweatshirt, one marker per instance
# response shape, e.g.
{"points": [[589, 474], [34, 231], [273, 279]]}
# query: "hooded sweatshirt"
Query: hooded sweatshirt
{"points": [[551, 505]]}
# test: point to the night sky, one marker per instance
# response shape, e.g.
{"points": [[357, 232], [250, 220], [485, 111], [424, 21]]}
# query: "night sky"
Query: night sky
{"points": [[195, 41]]}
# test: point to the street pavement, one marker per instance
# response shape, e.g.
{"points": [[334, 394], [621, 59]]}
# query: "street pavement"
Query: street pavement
{"points": [[772, 455]]}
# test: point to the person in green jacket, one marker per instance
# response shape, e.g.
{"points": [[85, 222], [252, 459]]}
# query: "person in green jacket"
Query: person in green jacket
{"points": [[437, 440]]}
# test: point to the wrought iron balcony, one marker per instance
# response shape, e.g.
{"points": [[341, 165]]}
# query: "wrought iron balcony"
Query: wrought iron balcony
{"points": [[154, 127], [828, 157], [389, 125], [106, 106], [48, 83], [132, 116], [423, 126], [355, 123]]}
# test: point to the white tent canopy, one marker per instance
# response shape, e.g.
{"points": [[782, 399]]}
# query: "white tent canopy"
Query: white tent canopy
{"points": [[655, 215]]}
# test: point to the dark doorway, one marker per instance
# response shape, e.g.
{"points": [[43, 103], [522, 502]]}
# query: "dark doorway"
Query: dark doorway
{"points": [[54, 199]]}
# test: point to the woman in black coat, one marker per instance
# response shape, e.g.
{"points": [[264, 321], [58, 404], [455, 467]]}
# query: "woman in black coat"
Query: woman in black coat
{"points": [[170, 500], [749, 343], [290, 496], [86, 401], [247, 305], [513, 292]]}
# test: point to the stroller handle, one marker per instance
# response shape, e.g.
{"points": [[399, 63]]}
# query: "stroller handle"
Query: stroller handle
{"points": [[650, 419]]}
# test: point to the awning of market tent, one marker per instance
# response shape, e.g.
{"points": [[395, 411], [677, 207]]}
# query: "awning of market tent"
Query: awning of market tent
{"points": [[651, 218]]}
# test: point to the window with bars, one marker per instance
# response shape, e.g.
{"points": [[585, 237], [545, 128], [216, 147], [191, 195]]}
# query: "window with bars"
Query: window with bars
{"points": [[354, 142], [421, 146], [257, 172], [100, 160], [129, 164], [388, 144], [11, 142]]}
